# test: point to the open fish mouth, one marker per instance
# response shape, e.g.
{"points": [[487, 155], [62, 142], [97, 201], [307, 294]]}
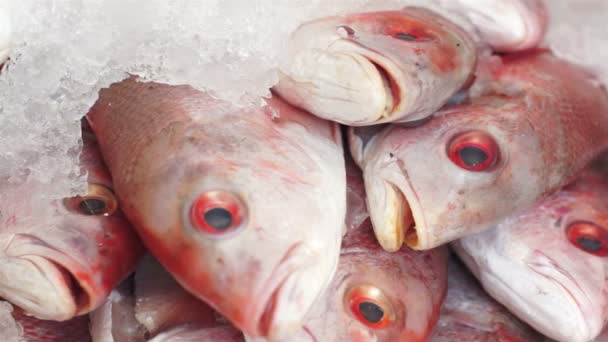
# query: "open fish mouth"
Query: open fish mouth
{"points": [[42, 281], [396, 213]]}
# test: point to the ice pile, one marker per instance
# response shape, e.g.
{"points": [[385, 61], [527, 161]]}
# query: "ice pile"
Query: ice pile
{"points": [[64, 51]]}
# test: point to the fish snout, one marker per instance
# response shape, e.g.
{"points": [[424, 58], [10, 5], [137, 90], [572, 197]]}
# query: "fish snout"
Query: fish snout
{"points": [[279, 307], [582, 318], [394, 208]]}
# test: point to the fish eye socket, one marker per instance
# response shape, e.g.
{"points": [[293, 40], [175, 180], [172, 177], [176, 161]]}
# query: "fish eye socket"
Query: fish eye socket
{"points": [[588, 237], [98, 201], [473, 151], [369, 305], [217, 212]]}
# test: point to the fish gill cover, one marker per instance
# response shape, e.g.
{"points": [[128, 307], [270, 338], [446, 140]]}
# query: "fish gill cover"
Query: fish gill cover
{"points": [[63, 51]]}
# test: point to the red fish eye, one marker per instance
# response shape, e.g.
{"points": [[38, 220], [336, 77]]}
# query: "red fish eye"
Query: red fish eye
{"points": [[370, 307], [473, 151], [99, 200], [588, 237], [217, 212]]}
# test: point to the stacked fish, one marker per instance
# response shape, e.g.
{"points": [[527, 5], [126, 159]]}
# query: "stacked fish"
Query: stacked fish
{"points": [[327, 212]]}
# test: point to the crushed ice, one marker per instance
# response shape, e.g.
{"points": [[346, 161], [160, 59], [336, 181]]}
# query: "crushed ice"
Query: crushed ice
{"points": [[64, 51]]}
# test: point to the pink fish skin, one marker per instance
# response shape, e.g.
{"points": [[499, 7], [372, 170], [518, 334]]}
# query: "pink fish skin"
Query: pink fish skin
{"points": [[549, 264], [61, 258], [23, 328], [243, 206], [537, 123], [378, 296], [371, 68], [469, 314]]}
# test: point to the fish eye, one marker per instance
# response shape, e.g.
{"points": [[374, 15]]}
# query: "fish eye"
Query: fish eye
{"points": [[369, 305], [217, 212], [473, 151], [99, 200], [588, 237]]}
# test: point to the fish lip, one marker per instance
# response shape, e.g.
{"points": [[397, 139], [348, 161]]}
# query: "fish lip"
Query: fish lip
{"points": [[507, 294], [412, 201], [537, 266], [388, 72], [263, 310], [60, 272]]}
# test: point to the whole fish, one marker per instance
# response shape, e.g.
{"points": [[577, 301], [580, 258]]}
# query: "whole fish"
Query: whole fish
{"points": [[61, 258], [536, 124], [245, 207], [469, 314], [378, 296], [370, 68], [16, 326], [549, 264]]}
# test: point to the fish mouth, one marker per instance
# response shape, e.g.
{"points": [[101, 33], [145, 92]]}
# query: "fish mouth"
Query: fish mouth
{"points": [[43, 281], [283, 301], [563, 324], [548, 268], [387, 78], [395, 211]]}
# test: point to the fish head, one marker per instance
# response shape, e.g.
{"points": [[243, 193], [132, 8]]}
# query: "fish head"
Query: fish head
{"points": [[244, 214], [376, 67], [549, 266], [458, 173], [62, 257], [379, 296]]}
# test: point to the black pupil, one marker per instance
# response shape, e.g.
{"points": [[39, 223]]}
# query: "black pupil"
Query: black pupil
{"points": [[589, 244], [472, 156], [218, 218], [405, 36], [371, 312], [92, 206]]}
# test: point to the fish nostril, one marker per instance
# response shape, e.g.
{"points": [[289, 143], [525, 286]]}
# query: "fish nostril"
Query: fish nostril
{"points": [[345, 31]]}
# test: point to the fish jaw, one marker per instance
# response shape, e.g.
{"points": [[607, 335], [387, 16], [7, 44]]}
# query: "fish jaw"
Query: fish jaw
{"points": [[80, 270], [349, 70], [392, 213], [559, 316]]}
